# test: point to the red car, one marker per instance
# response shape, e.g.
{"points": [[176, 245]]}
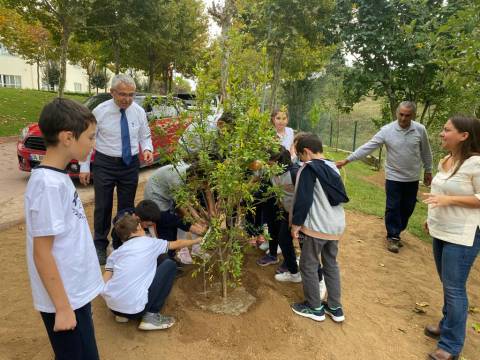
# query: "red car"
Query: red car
{"points": [[164, 122]]}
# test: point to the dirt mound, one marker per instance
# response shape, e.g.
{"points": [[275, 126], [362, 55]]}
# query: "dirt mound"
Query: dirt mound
{"points": [[380, 291]]}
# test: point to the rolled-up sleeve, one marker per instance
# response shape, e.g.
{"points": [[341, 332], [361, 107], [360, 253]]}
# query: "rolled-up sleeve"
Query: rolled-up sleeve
{"points": [[145, 135]]}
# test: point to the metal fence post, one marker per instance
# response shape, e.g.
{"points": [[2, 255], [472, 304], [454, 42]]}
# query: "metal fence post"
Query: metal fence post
{"points": [[354, 136]]}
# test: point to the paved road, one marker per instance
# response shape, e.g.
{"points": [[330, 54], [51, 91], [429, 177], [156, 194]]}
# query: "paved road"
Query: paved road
{"points": [[13, 182]]}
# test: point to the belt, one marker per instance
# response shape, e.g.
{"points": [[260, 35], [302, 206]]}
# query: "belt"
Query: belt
{"points": [[114, 159]]}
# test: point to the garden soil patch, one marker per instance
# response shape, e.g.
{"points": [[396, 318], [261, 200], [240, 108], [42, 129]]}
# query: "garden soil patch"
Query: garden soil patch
{"points": [[380, 292]]}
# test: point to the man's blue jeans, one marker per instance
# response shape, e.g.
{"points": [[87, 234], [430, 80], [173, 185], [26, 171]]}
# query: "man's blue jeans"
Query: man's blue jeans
{"points": [[453, 265]]}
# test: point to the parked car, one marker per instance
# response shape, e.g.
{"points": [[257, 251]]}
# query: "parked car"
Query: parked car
{"points": [[163, 120]]}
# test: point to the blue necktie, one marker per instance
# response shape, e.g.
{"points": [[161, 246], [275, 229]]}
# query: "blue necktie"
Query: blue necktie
{"points": [[126, 148]]}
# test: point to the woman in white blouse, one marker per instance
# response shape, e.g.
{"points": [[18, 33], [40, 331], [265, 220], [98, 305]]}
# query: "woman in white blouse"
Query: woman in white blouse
{"points": [[453, 222]]}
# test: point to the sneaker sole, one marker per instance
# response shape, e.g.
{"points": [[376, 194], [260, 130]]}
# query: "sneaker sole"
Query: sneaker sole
{"points": [[337, 319], [148, 326], [289, 280], [310, 316], [268, 264], [121, 320]]}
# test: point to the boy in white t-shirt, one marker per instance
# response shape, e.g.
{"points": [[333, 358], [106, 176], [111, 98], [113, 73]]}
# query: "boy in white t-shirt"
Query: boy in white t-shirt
{"points": [[62, 264], [136, 287]]}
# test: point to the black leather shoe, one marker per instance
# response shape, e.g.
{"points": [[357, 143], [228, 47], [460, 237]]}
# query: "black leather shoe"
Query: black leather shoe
{"points": [[432, 331], [440, 354]]}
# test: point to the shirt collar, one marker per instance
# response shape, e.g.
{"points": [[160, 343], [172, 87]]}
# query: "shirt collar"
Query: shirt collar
{"points": [[399, 128]]}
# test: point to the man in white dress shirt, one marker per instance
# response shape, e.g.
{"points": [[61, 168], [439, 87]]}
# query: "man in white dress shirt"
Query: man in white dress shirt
{"points": [[121, 127]]}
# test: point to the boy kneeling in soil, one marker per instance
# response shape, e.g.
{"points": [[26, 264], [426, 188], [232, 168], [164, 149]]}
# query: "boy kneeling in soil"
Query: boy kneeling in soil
{"points": [[135, 286], [318, 218], [62, 265]]}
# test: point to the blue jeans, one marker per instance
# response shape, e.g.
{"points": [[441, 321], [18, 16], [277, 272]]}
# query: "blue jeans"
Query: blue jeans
{"points": [[159, 289], [453, 265]]}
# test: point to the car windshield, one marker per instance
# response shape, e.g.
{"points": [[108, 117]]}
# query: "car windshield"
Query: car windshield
{"points": [[157, 111]]}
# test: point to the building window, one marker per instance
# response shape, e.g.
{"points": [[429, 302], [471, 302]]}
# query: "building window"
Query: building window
{"points": [[77, 87], [3, 50], [11, 81]]}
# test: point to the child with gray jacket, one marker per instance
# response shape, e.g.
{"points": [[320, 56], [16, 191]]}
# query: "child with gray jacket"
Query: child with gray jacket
{"points": [[319, 219]]}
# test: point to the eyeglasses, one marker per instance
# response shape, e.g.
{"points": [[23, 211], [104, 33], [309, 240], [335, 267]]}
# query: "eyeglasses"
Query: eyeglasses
{"points": [[122, 94]]}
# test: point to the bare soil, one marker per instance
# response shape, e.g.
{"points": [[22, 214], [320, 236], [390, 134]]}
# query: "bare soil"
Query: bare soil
{"points": [[380, 291]]}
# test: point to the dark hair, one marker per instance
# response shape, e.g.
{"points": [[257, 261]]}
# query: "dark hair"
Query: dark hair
{"points": [[276, 111], [64, 115], [311, 142], [281, 157], [299, 135], [126, 226], [148, 210], [227, 117], [471, 145]]}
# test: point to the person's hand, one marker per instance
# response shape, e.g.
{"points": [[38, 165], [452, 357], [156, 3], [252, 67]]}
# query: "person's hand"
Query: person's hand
{"points": [[425, 227], [427, 179], [341, 163], [436, 200], [148, 157], [65, 320], [295, 231], [198, 228], [84, 178]]}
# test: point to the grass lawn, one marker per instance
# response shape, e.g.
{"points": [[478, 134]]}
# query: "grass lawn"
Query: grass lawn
{"points": [[369, 196], [20, 107]]}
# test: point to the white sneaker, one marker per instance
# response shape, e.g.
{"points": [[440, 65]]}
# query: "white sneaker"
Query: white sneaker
{"points": [[121, 319], [323, 289], [263, 246], [287, 276], [184, 256], [279, 251]]}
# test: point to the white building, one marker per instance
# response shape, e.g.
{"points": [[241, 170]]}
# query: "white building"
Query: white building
{"points": [[16, 73]]}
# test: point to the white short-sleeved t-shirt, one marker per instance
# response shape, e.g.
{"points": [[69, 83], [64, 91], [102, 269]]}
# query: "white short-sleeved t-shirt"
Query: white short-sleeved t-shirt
{"points": [[133, 265], [53, 208], [287, 139]]}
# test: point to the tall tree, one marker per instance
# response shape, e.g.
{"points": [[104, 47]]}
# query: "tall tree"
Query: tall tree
{"points": [[88, 56], [173, 36], [458, 53], [393, 54], [115, 24], [61, 17], [29, 40], [282, 25]]}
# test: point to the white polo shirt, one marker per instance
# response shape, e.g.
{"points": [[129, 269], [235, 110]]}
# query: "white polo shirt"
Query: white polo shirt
{"points": [[53, 208], [133, 265]]}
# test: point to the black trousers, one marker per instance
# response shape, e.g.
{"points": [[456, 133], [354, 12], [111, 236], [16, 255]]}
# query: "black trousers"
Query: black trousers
{"points": [[401, 201], [77, 344], [279, 230], [108, 173]]}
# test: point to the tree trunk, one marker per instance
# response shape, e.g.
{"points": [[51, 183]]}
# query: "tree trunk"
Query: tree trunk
{"points": [[63, 59], [277, 67], [116, 53], [38, 74], [226, 26], [151, 75], [106, 82]]}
